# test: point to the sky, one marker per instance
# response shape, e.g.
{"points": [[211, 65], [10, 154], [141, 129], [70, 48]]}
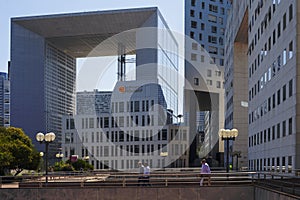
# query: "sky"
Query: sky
{"points": [[172, 10]]}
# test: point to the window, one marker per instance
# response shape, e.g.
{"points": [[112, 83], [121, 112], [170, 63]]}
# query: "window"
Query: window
{"points": [[209, 73], [278, 30], [212, 39], [290, 126], [221, 42], [283, 128], [278, 97], [218, 84], [284, 21], [213, 8], [136, 106], [273, 101], [222, 31], [193, 2], [222, 11], [193, 57], [212, 18], [213, 29], [213, 50], [194, 46], [196, 81], [192, 34], [193, 24], [284, 57], [200, 36], [291, 12], [291, 50], [200, 15], [290, 88], [209, 82], [284, 93], [192, 13], [278, 130], [202, 58], [221, 20], [218, 73], [202, 26]]}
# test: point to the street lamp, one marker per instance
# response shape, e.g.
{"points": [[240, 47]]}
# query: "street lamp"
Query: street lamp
{"points": [[164, 155], [59, 155], [47, 138], [228, 135]]}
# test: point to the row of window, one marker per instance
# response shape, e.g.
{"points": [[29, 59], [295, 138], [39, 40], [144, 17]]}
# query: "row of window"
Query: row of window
{"points": [[132, 106], [193, 3], [275, 132], [279, 164], [120, 121], [271, 72], [213, 60], [136, 150], [281, 95], [271, 41]]}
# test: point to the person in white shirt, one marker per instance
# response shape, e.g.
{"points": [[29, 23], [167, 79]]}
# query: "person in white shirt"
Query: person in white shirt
{"points": [[141, 173], [147, 174]]}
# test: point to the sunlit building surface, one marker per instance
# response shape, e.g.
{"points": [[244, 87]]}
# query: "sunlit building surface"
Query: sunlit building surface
{"points": [[267, 42]]}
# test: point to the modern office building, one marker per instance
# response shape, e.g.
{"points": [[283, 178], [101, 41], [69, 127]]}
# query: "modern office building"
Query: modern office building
{"points": [[136, 128], [93, 103], [236, 82], [272, 31], [43, 61], [4, 99], [205, 23]]}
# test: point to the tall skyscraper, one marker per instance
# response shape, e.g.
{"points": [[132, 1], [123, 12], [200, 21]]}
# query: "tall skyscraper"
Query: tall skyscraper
{"points": [[4, 99], [264, 49], [205, 23], [236, 82]]}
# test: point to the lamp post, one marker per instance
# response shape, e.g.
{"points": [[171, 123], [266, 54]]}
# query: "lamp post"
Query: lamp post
{"points": [[164, 155], [59, 155], [228, 135], [47, 138]]}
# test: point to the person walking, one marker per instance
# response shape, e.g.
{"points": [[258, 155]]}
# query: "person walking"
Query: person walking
{"points": [[141, 179], [147, 174], [205, 172]]}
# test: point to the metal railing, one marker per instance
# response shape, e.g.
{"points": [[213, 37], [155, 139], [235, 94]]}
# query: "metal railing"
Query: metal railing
{"points": [[284, 183], [270, 180]]}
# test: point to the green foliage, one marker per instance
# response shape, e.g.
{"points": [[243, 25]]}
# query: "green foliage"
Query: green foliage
{"points": [[81, 165], [62, 166], [16, 151]]}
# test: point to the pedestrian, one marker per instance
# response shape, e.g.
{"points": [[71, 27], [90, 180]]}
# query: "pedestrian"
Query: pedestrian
{"points": [[205, 173], [147, 174], [141, 173]]}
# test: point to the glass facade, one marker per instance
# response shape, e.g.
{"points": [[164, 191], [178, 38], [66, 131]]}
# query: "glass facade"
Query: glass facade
{"points": [[167, 62]]}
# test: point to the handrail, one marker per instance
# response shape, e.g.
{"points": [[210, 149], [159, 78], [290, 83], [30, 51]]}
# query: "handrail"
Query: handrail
{"points": [[283, 182]]}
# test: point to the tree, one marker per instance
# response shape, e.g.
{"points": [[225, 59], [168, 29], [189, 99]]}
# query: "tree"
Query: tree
{"points": [[17, 151]]}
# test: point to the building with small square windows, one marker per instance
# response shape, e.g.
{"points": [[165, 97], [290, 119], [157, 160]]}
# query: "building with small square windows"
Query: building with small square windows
{"points": [[262, 68], [205, 23]]}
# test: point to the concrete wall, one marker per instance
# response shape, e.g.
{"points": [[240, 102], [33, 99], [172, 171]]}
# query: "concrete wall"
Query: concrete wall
{"points": [[203, 193], [261, 194]]}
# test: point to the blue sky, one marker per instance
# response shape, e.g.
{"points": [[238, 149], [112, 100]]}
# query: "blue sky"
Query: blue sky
{"points": [[172, 10]]}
